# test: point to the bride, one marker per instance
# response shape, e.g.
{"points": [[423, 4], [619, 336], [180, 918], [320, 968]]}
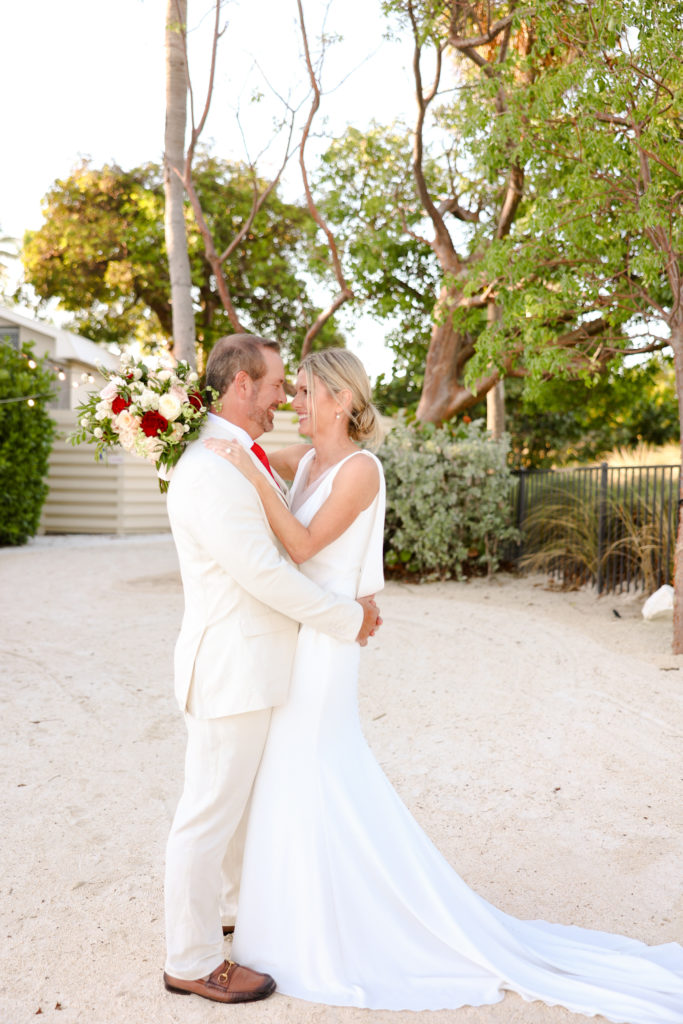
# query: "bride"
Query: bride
{"points": [[344, 900]]}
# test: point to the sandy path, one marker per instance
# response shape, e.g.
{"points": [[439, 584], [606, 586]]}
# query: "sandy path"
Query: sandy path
{"points": [[535, 735]]}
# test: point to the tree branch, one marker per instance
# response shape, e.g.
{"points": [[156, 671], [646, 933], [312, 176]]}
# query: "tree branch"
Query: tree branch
{"points": [[345, 292], [513, 198], [259, 198], [211, 254], [443, 243], [487, 37], [459, 212]]}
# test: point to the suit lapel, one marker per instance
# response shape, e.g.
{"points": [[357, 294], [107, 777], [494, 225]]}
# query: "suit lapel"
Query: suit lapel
{"points": [[278, 486], [224, 431]]}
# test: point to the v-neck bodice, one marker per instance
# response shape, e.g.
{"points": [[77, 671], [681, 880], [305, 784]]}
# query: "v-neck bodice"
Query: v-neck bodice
{"points": [[352, 564]]}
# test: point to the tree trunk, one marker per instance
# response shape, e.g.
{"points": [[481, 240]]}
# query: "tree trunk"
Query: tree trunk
{"points": [[495, 410], [495, 398], [677, 346], [443, 394], [174, 160]]}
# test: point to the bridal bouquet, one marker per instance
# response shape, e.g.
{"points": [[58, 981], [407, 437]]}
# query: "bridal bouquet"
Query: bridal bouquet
{"points": [[152, 413]]}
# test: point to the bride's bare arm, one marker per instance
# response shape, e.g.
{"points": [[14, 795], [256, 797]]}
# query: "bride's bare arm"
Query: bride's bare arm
{"points": [[354, 488]]}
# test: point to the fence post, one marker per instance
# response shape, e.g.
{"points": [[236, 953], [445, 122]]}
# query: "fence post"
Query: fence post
{"points": [[521, 510], [602, 522]]}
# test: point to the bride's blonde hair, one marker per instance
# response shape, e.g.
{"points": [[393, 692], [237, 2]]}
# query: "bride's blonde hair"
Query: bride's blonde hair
{"points": [[340, 370]]}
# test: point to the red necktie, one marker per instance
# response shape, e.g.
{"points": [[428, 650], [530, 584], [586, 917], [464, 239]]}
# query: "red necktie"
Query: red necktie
{"points": [[262, 457]]}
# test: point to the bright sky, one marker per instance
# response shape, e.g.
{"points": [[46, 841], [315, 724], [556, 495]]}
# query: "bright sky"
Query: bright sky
{"points": [[81, 78]]}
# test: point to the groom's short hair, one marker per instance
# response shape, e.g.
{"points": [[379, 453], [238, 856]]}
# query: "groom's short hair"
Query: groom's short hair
{"points": [[233, 353]]}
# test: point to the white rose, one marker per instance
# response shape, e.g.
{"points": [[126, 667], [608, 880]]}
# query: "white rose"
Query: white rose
{"points": [[193, 377], [137, 373], [101, 414], [149, 399], [98, 432], [85, 421], [169, 407], [178, 432], [165, 374]]}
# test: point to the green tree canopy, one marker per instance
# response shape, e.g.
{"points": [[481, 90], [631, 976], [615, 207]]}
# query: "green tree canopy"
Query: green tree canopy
{"points": [[591, 268], [101, 251], [568, 421], [527, 210], [368, 192]]}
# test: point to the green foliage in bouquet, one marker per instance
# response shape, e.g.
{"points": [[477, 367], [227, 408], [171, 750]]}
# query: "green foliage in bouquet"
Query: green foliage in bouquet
{"points": [[448, 499], [26, 436]]}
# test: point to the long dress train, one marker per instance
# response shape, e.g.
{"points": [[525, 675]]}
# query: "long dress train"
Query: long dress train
{"points": [[345, 901]]}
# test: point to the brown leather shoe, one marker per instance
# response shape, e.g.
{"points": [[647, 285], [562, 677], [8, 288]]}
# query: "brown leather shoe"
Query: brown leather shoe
{"points": [[228, 929], [229, 983]]}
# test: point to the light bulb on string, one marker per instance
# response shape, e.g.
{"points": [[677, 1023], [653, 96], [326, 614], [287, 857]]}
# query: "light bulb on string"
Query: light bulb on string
{"points": [[31, 402], [32, 364]]}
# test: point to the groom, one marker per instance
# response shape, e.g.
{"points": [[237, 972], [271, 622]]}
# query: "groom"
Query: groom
{"points": [[243, 603]]}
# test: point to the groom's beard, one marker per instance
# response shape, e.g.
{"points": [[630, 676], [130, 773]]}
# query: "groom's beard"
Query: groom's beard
{"points": [[261, 415]]}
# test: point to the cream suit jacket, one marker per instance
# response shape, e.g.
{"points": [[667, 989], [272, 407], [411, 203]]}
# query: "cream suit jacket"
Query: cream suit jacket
{"points": [[243, 598]]}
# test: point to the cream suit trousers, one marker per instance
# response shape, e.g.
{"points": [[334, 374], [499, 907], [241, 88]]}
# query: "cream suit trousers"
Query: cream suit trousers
{"points": [[204, 852]]}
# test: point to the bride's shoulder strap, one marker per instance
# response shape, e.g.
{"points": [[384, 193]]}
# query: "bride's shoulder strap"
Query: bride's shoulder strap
{"points": [[371, 455]]}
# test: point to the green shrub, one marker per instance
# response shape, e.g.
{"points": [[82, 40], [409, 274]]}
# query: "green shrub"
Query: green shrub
{"points": [[448, 499], [26, 435]]}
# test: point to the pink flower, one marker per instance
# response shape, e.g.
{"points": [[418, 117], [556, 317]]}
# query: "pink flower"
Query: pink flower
{"points": [[126, 426], [109, 391]]}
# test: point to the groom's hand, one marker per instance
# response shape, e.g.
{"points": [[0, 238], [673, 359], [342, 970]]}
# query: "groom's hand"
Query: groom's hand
{"points": [[371, 620]]}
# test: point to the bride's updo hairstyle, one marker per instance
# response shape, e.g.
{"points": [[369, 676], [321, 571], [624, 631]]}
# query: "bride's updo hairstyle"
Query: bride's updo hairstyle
{"points": [[340, 370]]}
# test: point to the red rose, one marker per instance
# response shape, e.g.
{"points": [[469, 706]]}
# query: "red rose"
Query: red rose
{"points": [[153, 423], [119, 404], [196, 400]]}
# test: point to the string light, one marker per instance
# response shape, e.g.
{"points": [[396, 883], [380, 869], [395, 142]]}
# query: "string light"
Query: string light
{"points": [[56, 368], [24, 398]]}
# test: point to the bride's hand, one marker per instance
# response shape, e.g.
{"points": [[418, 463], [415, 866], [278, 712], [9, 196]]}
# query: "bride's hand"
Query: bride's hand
{"points": [[232, 451]]}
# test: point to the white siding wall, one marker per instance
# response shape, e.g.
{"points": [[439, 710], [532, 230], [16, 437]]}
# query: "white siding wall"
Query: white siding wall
{"points": [[119, 495]]}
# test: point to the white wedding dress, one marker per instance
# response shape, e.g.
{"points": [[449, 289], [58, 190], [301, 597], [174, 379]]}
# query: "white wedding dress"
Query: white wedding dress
{"points": [[345, 901]]}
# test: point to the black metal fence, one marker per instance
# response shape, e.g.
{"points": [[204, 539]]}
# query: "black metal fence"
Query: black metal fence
{"points": [[614, 527]]}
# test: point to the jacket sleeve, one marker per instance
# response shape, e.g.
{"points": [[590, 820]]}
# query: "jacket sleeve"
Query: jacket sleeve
{"points": [[229, 522]]}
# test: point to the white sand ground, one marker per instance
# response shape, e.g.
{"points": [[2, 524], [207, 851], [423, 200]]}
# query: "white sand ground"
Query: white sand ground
{"points": [[535, 735]]}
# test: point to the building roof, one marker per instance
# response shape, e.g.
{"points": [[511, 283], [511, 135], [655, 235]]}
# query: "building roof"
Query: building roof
{"points": [[68, 346]]}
